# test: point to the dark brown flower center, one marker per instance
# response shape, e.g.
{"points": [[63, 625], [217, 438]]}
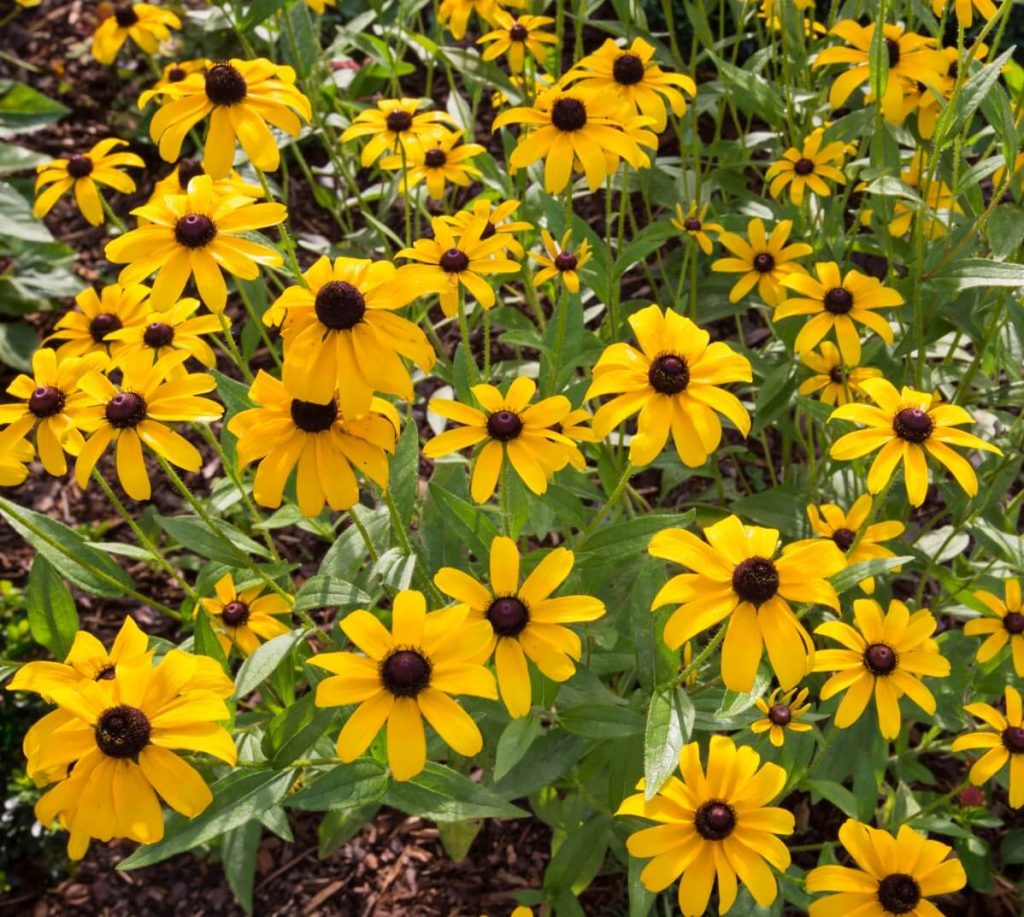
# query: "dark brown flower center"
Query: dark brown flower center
{"points": [[764, 263], [715, 820], [311, 417], [568, 114], [225, 85], [157, 335], [628, 69], [844, 538], [880, 659], [488, 230], [435, 158], [194, 230], [899, 893], [107, 673], [1013, 739], [913, 425], [126, 409], [454, 261], [398, 121], [235, 613], [755, 580], [405, 673], [187, 170], [953, 71], [79, 166], [46, 401], [339, 305], [803, 166], [102, 324], [1013, 621], [518, 32], [176, 74], [780, 714], [692, 224], [504, 425], [893, 48], [838, 301], [126, 16], [836, 374], [508, 616], [122, 731], [565, 261], [669, 374]]}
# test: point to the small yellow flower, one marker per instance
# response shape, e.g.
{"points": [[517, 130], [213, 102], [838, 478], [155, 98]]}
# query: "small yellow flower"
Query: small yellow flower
{"points": [[88, 328], [246, 617], [394, 125], [161, 333], [15, 454], [781, 713], [1005, 744], [763, 260], [442, 159], [176, 182], [831, 380], [965, 10], [692, 223], [807, 168], [1005, 625], [455, 13], [143, 23], [496, 220], [560, 261], [515, 36]]}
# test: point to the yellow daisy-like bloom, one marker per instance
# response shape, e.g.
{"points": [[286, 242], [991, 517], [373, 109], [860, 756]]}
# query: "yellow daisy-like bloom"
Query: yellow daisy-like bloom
{"points": [[912, 60], [781, 713], [692, 223], [177, 328], [341, 334], [894, 875], [1006, 625], [907, 425], [496, 222], [82, 172], [884, 656], [176, 182], [560, 261], [15, 454], [673, 380], [136, 413], [927, 99], [837, 302], [525, 622], [569, 126], [394, 125], [455, 13], [173, 72], [740, 578], [1005, 744], [807, 168], [441, 161], [285, 432], [48, 401], [241, 98], [447, 262], [143, 23], [88, 329], [762, 260], [965, 10], [196, 234], [407, 675], [631, 75], [517, 35], [119, 736], [245, 617], [513, 429], [834, 383], [845, 531], [712, 826], [318, 6]]}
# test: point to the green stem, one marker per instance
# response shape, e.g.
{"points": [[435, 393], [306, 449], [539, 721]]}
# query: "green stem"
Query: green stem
{"points": [[609, 504]]}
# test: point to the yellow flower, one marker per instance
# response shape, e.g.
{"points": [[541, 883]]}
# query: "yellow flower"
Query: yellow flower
{"points": [[1006, 625], [405, 676], [1005, 744], [741, 579], [525, 86], [15, 454], [763, 260], [496, 222], [631, 75], [781, 712], [88, 329], [82, 172], [926, 99], [48, 401], [885, 656], [455, 13], [318, 6], [240, 97], [177, 328], [173, 72], [176, 182], [714, 825], [560, 261], [525, 622], [569, 126], [513, 429], [894, 875], [965, 10], [143, 23], [673, 381], [807, 168], [836, 302], [829, 379], [439, 161], [285, 432], [446, 262], [196, 234], [515, 36], [245, 617], [692, 223], [907, 425], [394, 126], [136, 412]]}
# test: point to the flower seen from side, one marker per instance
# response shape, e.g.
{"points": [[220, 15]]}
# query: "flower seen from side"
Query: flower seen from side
{"points": [[146, 25]]}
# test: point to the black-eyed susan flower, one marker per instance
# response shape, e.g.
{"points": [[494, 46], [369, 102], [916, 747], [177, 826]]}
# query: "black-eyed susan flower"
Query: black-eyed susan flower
{"points": [[196, 234], [692, 223], [245, 617], [525, 622], [137, 412], [782, 711], [1004, 625], [176, 182], [143, 23], [515, 36], [173, 72], [833, 382], [577, 427], [907, 426], [927, 100], [893, 875], [496, 220], [763, 260], [88, 328], [241, 98], [965, 10], [15, 454], [569, 126], [48, 401], [82, 172], [806, 169], [342, 335], [561, 261], [317, 440], [443, 160], [885, 656], [740, 578], [444, 263], [396, 125], [673, 380], [406, 676], [512, 429], [1004, 744], [713, 825], [630, 74], [837, 302], [454, 14], [177, 328]]}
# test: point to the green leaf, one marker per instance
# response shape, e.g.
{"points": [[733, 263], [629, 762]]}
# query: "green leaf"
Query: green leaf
{"points": [[441, 794], [17, 344], [360, 783], [852, 575], [837, 794], [238, 857], [329, 592], [52, 617], [970, 273], [972, 93], [458, 836], [23, 109], [405, 472], [226, 545], [751, 91], [297, 730], [298, 44], [578, 857], [18, 159], [601, 721], [206, 642], [260, 10], [631, 536], [472, 524], [259, 666], [514, 742], [669, 725]]}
